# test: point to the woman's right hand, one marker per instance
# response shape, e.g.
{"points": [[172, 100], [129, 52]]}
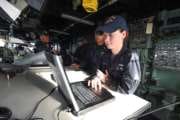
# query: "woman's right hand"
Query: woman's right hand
{"points": [[98, 80], [95, 83]]}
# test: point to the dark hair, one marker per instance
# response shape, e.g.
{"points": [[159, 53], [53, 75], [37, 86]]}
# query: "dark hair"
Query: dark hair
{"points": [[99, 33], [121, 30]]}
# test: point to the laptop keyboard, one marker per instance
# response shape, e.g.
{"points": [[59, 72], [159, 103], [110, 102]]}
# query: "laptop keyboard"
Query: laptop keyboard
{"points": [[84, 94]]}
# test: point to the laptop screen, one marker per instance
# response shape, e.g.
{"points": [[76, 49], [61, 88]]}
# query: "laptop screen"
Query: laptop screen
{"points": [[55, 62]]}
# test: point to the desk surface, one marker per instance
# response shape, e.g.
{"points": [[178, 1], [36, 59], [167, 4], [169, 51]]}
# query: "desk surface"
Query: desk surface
{"points": [[21, 94], [124, 106]]}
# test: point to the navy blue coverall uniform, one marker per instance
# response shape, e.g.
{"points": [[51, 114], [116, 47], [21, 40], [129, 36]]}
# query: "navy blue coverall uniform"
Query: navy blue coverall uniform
{"points": [[123, 69]]}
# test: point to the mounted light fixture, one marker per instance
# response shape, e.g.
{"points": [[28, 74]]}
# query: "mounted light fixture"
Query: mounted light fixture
{"points": [[90, 6]]}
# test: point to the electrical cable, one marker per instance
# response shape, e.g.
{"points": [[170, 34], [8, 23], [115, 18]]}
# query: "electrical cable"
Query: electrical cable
{"points": [[58, 114], [29, 117], [155, 110]]}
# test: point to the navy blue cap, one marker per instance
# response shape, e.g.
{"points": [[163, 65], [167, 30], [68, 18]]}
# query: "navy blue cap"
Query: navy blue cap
{"points": [[113, 23]]}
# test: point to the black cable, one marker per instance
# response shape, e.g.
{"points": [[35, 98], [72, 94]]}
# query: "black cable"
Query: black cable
{"points": [[155, 110], [58, 114], [29, 117]]}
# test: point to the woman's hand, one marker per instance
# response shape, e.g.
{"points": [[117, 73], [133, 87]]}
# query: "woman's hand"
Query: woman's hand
{"points": [[98, 80], [75, 66], [95, 83]]}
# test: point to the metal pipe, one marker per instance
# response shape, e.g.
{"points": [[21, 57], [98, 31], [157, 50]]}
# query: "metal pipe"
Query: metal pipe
{"points": [[59, 32], [76, 19]]}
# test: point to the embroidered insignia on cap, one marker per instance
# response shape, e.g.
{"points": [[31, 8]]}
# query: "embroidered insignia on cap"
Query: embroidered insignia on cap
{"points": [[110, 19]]}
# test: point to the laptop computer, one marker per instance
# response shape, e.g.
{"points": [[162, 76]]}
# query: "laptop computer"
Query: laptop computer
{"points": [[80, 97]]}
